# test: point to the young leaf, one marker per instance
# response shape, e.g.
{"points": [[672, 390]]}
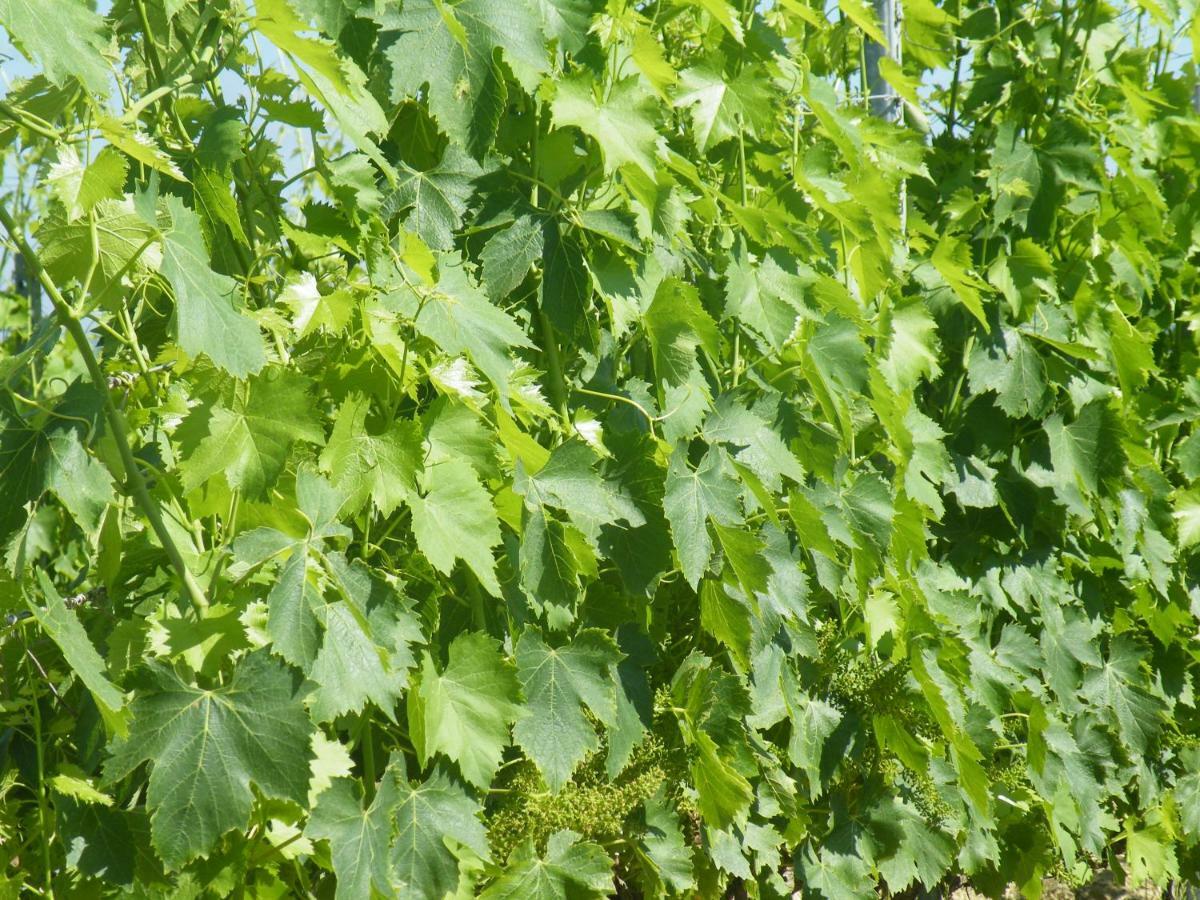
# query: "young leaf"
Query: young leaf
{"points": [[465, 712], [454, 519]]}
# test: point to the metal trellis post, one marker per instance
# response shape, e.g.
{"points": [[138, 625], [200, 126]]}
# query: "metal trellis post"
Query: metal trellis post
{"points": [[884, 101]]}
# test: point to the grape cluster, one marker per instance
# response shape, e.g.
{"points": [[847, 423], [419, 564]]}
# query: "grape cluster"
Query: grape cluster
{"points": [[590, 804], [1178, 740], [917, 787], [866, 684], [855, 680], [1012, 777]]}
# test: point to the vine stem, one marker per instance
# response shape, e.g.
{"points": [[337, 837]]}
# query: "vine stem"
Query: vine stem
{"points": [[367, 740], [116, 421], [43, 806], [554, 364], [27, 120], [954, 82], [558, 393], [650, 420], [1067, 35]]}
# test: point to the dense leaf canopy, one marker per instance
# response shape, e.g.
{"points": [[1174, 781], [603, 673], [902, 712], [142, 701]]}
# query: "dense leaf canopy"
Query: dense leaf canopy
{"points": [[565, 448]]}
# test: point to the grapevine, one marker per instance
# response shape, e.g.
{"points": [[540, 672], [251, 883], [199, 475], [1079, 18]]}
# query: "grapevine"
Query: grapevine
{"points": [[584, 448]]}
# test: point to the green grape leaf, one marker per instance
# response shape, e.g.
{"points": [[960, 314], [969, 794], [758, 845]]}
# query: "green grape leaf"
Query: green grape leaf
{"points": [[566, 21], [508, 255], [1118, 686], [930, 467], [63, 627], [869, 509], [101, 842], [723, 13], [432, 202], [565, 287], [207, 746], [560, 683], [1015, 175], [363, 465], [913, 350], [139, 146], [764, 297], [465, 712], [357, 664], [721, 107], [52, 458], [692, 499], [1187, 795], [952, 259], [426, 815], [839, 355], [662, 846], [293, 604], [917, 851], [331, 16], [813, 722], [1010, 366], [1151, 856], [623, 123], [335, 81], [454, 49], [453, 519], [459, 318], [278, 21], [836, 875], [222, 142], [122, 241], [863, 16], [678, 326], [66, 37], [358, 839], [1086, 450], [80, 188], [568, 481], [295, 601], [753, 442], [553, 559], [249, 440], [206, 318], [571, 868], [216, 202], [724, 793]]}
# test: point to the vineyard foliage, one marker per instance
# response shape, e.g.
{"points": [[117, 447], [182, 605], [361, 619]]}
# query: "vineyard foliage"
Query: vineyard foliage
{"points": [[530, 448]]}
